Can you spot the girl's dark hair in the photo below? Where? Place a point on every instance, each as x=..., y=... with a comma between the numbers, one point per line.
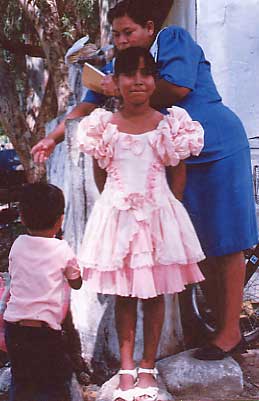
x=127, y=61
x=140, y=11
x=41, y=205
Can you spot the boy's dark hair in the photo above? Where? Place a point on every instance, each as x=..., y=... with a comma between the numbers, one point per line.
x=41, y=205
x=140, y=11
x=127, y=61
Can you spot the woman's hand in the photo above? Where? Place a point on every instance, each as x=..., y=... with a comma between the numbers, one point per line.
x=109, y=87
x=42, y=150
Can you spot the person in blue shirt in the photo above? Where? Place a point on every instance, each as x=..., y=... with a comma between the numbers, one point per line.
x=219, y=194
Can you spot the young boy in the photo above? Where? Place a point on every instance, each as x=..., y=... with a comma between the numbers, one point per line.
x=40, y=267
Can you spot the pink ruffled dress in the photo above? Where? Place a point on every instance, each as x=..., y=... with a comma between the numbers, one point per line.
x=139, y=240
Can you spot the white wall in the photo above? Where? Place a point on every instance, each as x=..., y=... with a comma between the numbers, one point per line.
x=228, y=31
x=183, y=14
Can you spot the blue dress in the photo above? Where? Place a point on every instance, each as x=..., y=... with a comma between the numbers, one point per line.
x=219, y=192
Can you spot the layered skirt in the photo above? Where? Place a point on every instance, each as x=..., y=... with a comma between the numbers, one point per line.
x=133, y=248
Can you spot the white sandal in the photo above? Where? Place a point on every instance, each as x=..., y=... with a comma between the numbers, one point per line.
x=151, y=392
x=127, y=395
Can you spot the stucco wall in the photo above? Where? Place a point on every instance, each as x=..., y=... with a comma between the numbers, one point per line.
x=183, y=13
x=228, y=32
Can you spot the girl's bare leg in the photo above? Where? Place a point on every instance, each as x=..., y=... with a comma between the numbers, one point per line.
x=154, y=309
x=126, y=317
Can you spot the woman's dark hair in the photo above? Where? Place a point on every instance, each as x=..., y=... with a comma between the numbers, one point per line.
x=127, y=61
x=41, y=205
x=140, y=11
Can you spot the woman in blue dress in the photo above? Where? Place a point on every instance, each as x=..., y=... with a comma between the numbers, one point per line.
x=218, y=195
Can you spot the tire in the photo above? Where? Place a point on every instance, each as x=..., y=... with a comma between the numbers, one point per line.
x=249, y=317
x=201, y=311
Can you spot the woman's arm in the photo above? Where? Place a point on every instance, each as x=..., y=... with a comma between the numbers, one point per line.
x=176, y=177
x=178, y=57
x=99, y=176
x=167, y=94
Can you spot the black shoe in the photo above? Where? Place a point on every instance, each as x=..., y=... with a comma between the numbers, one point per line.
x=212, y=352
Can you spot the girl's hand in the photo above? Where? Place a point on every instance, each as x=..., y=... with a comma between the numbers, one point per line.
x=42, y=150
x=109, y=87
x=176, y=177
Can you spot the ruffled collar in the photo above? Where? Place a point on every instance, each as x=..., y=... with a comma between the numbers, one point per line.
x=171, y=121
x=175, y=137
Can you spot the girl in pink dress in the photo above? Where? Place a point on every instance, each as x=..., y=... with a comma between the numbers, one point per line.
x=139, y=241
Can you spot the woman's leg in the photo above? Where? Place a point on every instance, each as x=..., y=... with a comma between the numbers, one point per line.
x=211, y=288
x=232, y=268
x=224, y=292
x=126, y=317
x=154, y=309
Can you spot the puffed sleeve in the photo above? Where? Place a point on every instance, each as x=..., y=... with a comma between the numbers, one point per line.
x=178, y=57
x=178, y=137
x=96, y=136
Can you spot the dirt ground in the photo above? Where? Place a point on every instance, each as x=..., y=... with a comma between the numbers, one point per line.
x=249, y=364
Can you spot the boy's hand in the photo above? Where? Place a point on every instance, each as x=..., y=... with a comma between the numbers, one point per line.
x=42, y=150
x=72, y=274
x=109, y=87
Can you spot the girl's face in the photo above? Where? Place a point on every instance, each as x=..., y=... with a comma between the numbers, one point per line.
x=137, y=86
x=127, y=33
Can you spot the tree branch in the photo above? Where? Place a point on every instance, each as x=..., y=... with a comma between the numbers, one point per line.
x=20, y=48
x=48, y=111
x=13, y=120
x=50, y=36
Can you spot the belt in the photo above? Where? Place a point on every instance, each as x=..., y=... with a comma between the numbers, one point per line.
x=31, y=323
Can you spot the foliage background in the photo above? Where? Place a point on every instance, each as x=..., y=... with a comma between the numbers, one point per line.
x=34, y=37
